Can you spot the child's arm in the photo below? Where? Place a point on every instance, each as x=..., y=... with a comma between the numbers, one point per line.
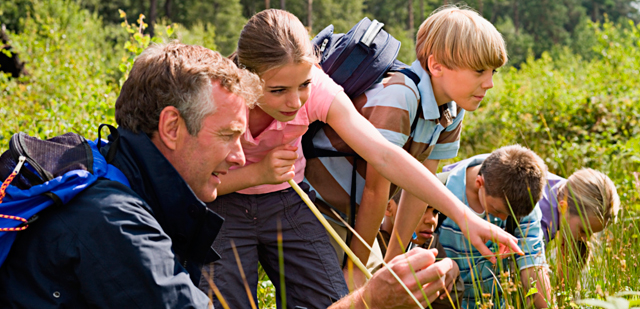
x=406, y=220
x=276, y=167
x=371, y=212
x=541, y=278
x=402, y=169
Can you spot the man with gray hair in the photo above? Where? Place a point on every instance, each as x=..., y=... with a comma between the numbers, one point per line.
x=181, y=113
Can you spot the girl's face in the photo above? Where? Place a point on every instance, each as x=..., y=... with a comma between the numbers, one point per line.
x=286, y=89
x=582, y=228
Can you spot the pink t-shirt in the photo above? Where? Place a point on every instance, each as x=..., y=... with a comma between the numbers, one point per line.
x=323, y=91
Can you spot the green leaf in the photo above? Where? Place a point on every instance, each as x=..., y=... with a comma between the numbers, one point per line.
x=531, y=291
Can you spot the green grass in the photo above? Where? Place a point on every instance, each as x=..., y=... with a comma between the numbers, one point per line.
x=591, y=108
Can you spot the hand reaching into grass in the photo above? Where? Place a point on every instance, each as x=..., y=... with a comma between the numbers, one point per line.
x=480, y=231
x=384, y=291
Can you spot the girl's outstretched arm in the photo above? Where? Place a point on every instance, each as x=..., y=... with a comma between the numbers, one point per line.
x=405, y=171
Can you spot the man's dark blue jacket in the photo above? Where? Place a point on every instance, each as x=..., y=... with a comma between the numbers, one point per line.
x=114, y=246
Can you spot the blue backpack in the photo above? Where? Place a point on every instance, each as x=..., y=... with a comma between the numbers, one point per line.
x=356, y=60
x=41, y=173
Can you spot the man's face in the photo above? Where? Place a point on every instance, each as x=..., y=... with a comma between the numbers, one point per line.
x=201, y=158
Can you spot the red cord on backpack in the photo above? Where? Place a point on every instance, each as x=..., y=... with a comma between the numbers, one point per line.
x=3, y=188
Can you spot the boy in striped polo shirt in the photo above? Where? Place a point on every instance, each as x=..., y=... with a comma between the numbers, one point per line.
x=457, y=54
x=490, y=183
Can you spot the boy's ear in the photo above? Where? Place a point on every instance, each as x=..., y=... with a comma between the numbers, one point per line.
x=389, y=211
x=479, y=181
x=434, y=67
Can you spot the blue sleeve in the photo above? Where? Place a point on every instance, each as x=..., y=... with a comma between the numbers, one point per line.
x=530, y=240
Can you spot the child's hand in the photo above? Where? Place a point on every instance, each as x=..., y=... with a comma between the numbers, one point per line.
x=277, y=165
x=479, y=232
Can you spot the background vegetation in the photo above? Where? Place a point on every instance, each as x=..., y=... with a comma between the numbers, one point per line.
x=570, y=92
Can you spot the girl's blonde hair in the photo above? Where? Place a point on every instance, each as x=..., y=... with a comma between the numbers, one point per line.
x=271, y=39
x=460, y=38
x=590, y=193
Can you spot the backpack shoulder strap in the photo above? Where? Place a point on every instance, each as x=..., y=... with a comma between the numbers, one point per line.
x=416, y=80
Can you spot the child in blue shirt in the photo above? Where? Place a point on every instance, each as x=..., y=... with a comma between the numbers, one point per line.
x=488, y=184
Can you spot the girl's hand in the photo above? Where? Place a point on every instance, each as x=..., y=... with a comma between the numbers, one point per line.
x=479, y=232
x=277, y=165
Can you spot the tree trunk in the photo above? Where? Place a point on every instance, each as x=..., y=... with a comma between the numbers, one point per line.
x=167, y=9
x=595, y=13
x=410, y=9
x=421, y=11
x=516, y=21
x=310, y=15
x=480, y=7
x=267, y=4
x=282, y=4
x=152, y=16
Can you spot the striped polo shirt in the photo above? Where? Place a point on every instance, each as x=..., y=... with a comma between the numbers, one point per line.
x=478, y=272
x=390, y=105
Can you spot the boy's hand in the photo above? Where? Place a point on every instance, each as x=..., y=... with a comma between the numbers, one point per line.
x=277, y=165
x=384, y=291
x=479, y=232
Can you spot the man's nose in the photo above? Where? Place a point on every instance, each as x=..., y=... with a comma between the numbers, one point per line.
x=236, y=156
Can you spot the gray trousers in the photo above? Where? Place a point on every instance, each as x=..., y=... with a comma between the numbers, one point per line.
x=312, y=275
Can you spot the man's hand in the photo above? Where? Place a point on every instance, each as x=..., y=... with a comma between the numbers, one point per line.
x=384, y=291
x=479, y=231
x=278, y=164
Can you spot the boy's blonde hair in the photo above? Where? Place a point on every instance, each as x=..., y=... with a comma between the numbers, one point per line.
x=460, y=38
x=593, y=192
x=272, y=39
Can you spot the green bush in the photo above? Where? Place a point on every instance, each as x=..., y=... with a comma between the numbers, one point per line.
x=72, y=81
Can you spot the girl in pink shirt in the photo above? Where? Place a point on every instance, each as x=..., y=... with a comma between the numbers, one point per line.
x=259, y=207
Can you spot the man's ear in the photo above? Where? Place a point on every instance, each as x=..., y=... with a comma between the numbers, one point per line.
x=170, y=127
x=435, y=68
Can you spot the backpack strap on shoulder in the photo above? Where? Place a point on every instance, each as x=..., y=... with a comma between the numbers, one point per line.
x=114, y=141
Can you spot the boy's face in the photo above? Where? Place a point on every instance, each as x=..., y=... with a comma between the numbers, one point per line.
x=427, y=226
x=467, y=87
x=494, y=206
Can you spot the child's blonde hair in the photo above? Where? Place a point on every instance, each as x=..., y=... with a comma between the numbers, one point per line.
x=271, y=39
x=460, y=38
x=594, y=192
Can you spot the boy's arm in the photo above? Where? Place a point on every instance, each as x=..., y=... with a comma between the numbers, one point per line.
x=395, y=164
x=276, y=167
x=371, y=212
x=538, y=275
x=410, y=210
x=532, y=264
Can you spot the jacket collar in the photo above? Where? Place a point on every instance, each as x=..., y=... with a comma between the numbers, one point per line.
x=191, y=226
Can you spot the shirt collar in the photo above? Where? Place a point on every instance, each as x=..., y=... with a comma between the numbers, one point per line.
x=457, y=179
x=301, y=119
